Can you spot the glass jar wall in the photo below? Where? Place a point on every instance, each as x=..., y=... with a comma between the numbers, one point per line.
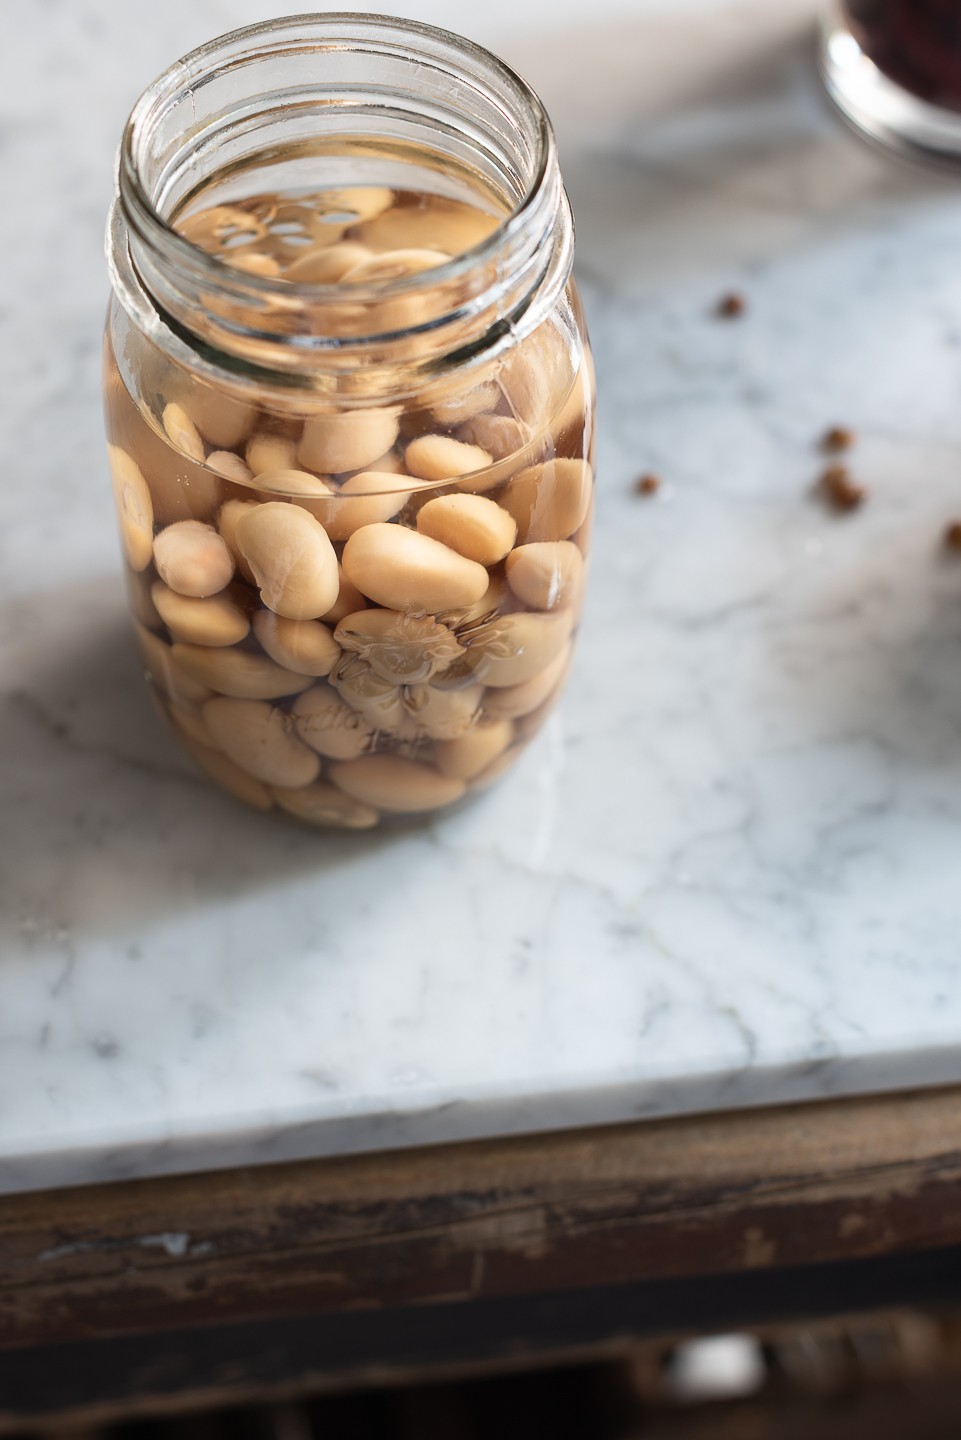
x=350, y=414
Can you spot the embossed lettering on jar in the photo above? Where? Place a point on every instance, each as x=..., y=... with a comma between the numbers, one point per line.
x=350, y=411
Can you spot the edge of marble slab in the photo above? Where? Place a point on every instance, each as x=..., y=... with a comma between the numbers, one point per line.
x=434, y=1120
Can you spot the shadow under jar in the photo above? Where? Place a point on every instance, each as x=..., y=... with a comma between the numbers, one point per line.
x=349, y=409
x=893, y=67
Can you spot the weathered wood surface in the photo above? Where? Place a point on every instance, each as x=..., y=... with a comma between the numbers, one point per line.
x=723, y=1194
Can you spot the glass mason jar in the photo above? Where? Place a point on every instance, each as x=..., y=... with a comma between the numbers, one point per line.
x=350, y=413
x=894, y=69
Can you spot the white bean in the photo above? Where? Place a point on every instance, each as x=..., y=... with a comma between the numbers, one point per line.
x=513, y=701
x=547, y=574
x=238, y=673
x=500, y=435
x=304, y=646
x=141, y=604
x=549, y=501
x=363, y=499
x=521, y=645
x=390, y=782
x=215, y=621
x=183, y=433
x=134, y=508
x=293, y=561
x=270, y=452
x=393, y=265
x=326, y=264
x=294, y=483
x=437, y=457
x=330, y=727
x=192, y=724
x=349, y=600
x=459, y=405
x=450, y=226
x=254, y=262
x=258, y=738
x=193, y=559
x=403, y=570
x=536, y=376
x=475, y=527
x=226, y=463
x=359, y=202
x=323, y=804
x=221, y=419
x=346, y=440
x=181, y=489
x=402, y=648
x=379, y=701
x=439, y=714
x=166, y=674
x=496, y=768
x=227, y=518
x=466, y=757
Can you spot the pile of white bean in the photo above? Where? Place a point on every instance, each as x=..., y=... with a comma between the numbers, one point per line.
x=364, y=612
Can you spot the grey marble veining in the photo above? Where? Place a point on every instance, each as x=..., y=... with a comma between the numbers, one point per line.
x=726, y=874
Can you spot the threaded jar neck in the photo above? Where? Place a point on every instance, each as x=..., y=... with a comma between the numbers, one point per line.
x=355, y=90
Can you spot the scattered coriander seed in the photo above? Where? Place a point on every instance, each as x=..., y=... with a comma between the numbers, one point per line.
x=839, y=437
x=952, y=535
x=731, y=305
x=843, y=492
x=647, y=484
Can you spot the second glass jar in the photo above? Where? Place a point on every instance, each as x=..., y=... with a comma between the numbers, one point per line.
x=350, y=413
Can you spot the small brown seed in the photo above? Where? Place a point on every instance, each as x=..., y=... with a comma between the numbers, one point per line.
x=843, y=492
x=731, y=306
x=952, y=535
x=647, y=484
x=837, y=438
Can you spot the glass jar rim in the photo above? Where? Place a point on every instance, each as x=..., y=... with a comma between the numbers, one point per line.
x=142, y=212
x=489, y=295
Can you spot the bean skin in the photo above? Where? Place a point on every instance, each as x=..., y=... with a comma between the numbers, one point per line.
x=401, y=569
x=292, y=559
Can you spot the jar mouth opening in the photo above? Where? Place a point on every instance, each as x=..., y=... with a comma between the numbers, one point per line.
x=332, y=32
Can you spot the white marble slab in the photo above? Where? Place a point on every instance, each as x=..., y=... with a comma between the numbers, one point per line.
x=729, y=872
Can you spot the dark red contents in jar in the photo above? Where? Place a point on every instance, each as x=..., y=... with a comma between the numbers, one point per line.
x=917, y=43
